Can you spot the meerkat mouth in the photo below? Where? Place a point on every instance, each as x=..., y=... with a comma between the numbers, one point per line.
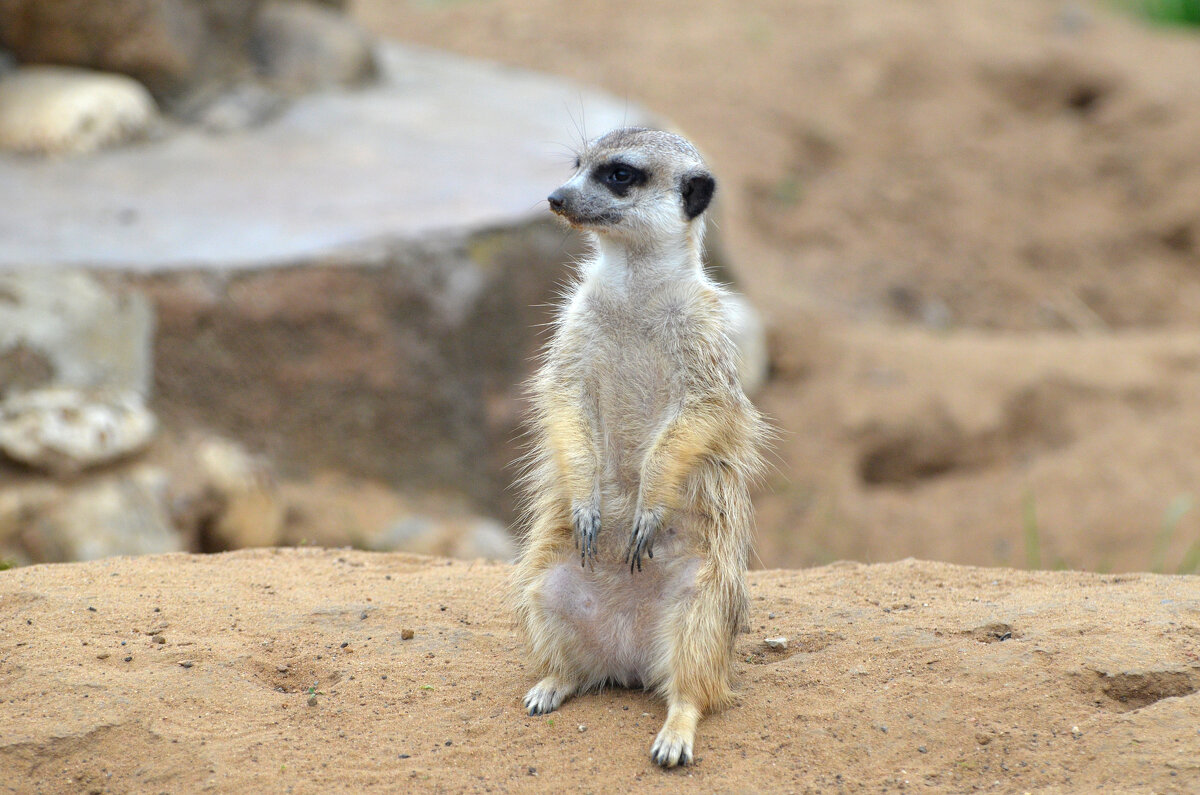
x=585, y=221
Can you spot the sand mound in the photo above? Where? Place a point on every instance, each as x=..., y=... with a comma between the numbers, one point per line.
x=287, y=670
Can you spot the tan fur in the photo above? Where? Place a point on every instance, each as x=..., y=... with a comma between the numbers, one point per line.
x=640, y=429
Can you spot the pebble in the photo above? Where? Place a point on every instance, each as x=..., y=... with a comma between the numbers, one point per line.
x=582, y=727
x=159, y=639
x=776, y=643
x=186, y=663
x=128, y=659
x=770, y=616
x=283, y=669
x=406, y=634
x=312, y=700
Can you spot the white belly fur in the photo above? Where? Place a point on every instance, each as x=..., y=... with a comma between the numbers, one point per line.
x=614, y=621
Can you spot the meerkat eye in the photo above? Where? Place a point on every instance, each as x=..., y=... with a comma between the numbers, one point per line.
x=620, y=178
x=578, y=163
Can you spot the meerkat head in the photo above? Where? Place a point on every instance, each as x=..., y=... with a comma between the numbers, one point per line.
x=636, y=184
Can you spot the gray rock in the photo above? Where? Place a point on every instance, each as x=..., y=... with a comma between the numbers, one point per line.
x=299, y=46
x=457, y=536
x=122, y=514
x=63, y=430
x=171, y=46
x=54, y=110
x=66, y=328
x=248, y=508
x=225, y=110
x=750, y=336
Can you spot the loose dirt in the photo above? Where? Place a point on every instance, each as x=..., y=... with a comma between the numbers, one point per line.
x=289, y=671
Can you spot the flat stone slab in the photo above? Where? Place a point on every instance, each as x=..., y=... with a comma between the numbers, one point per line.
x=439, y=143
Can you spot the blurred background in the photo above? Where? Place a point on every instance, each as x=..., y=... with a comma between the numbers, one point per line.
x=271, y=271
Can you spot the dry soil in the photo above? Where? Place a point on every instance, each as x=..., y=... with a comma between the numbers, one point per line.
x=289, y=671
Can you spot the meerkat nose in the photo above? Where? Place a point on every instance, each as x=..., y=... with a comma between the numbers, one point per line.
x=557, y=200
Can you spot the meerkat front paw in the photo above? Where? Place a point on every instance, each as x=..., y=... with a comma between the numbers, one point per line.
x=585, y=517
x=547, y=696
x=645, y=527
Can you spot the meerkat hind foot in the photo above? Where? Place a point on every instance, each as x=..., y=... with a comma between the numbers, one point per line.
x=673, y=746
x=547, y=695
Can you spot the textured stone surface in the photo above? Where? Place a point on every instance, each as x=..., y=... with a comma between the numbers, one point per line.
x=170, y=45
x=68, y=328
x=48, y=110
x=125, y=513
x=301, y=46
x=63, y=430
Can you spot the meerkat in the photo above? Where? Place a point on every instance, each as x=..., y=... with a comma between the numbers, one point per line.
x=643, y=450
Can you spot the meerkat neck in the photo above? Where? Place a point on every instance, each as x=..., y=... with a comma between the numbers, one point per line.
x=647, y=261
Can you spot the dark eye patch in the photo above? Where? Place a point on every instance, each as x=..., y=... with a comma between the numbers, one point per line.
x=620, y=178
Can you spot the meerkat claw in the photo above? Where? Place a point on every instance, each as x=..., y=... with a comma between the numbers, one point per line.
x=547, y=696
x=671, y=750
x=585, y=517
x=641, y=540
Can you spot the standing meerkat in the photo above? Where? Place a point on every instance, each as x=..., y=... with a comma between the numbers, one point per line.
x=638, y=510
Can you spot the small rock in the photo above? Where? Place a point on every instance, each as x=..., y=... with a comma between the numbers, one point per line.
x=750, y=337
x=283, y=669
x=301, y=46
x=186, y=663
x=312, y=700
x=406, y=634
x=56, y=110
x=159, y=639
x=122, y=514
x=64, y=430
x=770, y=616
x=252, y=511
x=582, y=727
x=242, y=107
x=778, y=643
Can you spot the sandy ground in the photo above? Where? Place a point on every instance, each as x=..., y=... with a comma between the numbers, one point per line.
x=187, y=673
x=974, y=229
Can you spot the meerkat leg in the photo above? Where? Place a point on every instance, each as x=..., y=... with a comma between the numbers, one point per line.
x=570, y=431
x=535, y=574
x=672, y=456
x=698, y=671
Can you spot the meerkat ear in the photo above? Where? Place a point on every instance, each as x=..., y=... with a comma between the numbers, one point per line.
x=697, y=190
